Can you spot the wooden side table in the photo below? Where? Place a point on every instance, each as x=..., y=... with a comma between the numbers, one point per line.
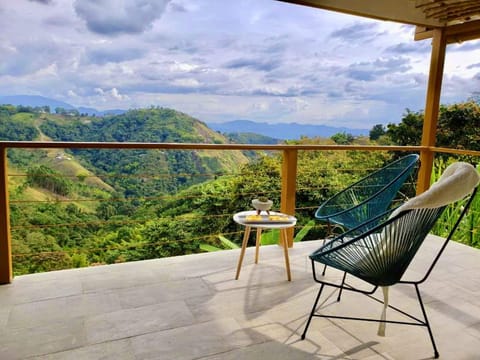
x=274, y=220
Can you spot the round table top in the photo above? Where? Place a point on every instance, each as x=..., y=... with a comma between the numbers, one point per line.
x=274, y=220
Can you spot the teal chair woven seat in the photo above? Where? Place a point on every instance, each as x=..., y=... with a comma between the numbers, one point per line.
x=367, y=198
x=380, y=254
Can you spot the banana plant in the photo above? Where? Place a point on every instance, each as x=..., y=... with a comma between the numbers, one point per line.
x=269, y=237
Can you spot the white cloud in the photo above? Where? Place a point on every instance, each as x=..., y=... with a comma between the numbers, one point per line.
x=113, y=17
x=114, y=92
x=261, y=60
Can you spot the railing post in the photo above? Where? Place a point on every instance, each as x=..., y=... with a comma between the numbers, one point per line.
x=432, y=107
x=289, y=187
x=6, y=273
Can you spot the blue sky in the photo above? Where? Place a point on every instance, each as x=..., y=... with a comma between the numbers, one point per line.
x=218, y=60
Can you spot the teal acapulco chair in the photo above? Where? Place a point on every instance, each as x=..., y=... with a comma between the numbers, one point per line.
x=367, y=198
x=380, y=255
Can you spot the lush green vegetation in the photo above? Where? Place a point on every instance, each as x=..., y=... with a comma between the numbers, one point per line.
x=458, y=127
x=179, y=169
x=79, y=208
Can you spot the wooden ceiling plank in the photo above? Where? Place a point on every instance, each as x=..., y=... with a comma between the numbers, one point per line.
x=402, y=11
x=430, y=14
x=420, y=4
x=472, y=8
x=472, y=26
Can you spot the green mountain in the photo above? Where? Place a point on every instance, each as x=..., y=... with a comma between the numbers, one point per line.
x=158, y=171
x=60, y=197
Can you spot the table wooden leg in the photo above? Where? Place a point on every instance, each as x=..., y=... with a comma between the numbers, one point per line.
x=257, y=243
x=285, y=252
x=246, y=235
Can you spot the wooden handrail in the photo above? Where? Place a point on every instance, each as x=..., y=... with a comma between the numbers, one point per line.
x=195, y=146
x=455, y=151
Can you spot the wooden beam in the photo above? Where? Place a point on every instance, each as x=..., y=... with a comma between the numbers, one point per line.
x=289, y=187
x=463, y=32
x=422, y=33
x=6, y=273
x=454, y=33
x=402, y=11
x=432, y=107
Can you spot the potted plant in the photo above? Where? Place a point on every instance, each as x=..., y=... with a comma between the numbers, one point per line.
x=262, y=204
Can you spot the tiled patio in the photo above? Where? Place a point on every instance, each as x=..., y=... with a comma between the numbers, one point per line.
x=191, y=307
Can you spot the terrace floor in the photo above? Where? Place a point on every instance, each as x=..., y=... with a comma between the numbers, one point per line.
x=190, y=307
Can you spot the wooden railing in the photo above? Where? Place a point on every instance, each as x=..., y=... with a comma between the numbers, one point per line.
x=288, y=173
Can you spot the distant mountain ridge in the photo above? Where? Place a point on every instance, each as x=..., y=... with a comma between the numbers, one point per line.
x=286, y=131
x=36, y=100
x=282, y=131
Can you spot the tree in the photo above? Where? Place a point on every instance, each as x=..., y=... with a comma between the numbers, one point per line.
x=457, y=127
x=377, y=131
x=342, y=138
x=47, y=178
x=409, y=131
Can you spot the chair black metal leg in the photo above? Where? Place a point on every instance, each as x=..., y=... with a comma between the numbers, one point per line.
x=312, y=312
x=324, y=242
x=324, y=268
x=341, y=287
x=436, y=354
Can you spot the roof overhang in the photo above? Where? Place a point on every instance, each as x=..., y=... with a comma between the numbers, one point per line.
x=460, y=18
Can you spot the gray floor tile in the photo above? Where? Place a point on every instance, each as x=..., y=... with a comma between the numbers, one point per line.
x=112, y=350
x=190, y=307
x=61, y=309
x=192, y=342
x=137, y=321
x=24, y=342
x=163, y=292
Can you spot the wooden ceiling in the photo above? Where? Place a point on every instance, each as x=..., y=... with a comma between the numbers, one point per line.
x=450, y=11
x=459, y=18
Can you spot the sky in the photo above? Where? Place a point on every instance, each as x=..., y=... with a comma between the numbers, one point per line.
x=219, y=60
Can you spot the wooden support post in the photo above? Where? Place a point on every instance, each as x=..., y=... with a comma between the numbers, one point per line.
x=432, y=107
x=289, y=187
x=6, y=273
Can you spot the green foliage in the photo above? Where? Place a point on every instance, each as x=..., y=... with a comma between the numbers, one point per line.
x=457, y=127
x=169, y=237
x=49, y=179
x=228, y=244
x=38, y=252
x=79, y=260
x=67, y=112
x=16, y=126
x=409, y=131
x=209, y=248
x=376, y=132
x=272, y=237
x=343, y=138
x=467, y=232
x=250, y=138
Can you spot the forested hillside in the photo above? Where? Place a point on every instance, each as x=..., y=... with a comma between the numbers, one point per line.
x=64, y=186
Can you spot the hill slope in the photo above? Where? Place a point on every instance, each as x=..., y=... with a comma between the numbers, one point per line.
x=144, y=172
